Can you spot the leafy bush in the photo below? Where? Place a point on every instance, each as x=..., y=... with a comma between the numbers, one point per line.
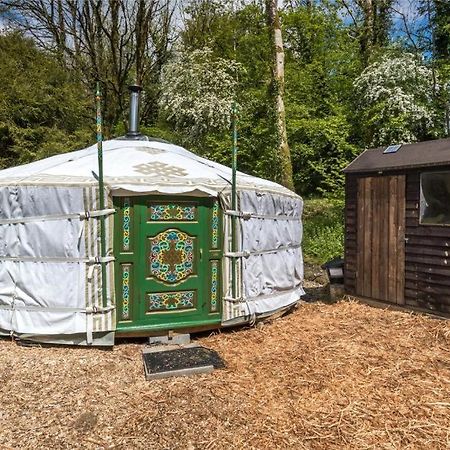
x=197, y=92
x=396, y=100
x=323, y=230
x=43, y=108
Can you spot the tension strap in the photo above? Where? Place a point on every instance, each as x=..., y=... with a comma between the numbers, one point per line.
x=246, y=253
x=249, y=215
x=234, y=300
x=57, y=259
x=84, y=215
x=88, y=310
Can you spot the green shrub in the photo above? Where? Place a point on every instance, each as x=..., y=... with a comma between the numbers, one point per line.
x=323, y=230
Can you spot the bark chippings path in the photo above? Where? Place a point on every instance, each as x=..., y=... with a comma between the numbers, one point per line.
x=326, y=376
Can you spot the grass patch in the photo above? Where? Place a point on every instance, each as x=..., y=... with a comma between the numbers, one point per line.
x=323, y=229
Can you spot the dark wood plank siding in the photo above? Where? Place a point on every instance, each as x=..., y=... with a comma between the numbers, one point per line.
x=427, y=255
x=426, y=250
x=351, y=189
x=380, y=209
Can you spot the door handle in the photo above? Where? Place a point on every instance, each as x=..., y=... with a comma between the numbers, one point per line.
x=201, y=253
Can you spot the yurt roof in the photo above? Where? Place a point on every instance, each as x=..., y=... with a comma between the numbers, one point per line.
x=137, y=166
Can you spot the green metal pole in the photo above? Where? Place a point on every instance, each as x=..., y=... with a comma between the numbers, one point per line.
x=234, y=202
x=101, y=188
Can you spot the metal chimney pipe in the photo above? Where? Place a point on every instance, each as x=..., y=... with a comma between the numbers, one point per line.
x=133, y=125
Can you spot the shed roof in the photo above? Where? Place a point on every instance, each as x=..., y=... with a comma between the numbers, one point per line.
x=420, y=154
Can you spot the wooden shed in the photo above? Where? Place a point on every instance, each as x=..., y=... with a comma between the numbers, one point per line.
x=397, y=225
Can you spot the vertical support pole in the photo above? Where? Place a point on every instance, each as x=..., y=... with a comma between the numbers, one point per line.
x=101, y=188
x=447, y=110
x=234, y=221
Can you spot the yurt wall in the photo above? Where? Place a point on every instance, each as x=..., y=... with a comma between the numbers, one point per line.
x=50, y=277
x=269, y=272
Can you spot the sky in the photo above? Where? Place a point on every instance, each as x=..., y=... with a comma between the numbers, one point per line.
x=416, y=24
x=407, y=11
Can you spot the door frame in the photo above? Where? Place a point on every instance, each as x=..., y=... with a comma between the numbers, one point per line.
x=130, y=242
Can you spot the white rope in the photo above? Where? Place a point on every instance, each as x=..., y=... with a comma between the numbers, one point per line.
x=58, y=259
x=246, y=253
x=85, y=215
x=249, y=215
x=87, y=310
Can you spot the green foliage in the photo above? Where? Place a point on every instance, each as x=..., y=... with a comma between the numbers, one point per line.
x=43, y=111
x=247, y=29
x=197, y=93
x=396, y=100
x=323, y=230
x=330, y=117
x=321, y=62
x=320, y=152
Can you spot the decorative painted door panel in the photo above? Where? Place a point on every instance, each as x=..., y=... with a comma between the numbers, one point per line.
x=167, y=262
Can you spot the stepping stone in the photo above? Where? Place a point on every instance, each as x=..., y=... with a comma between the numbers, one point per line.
x=164, y=361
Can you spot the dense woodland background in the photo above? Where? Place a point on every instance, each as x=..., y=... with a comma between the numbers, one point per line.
x=358, y=73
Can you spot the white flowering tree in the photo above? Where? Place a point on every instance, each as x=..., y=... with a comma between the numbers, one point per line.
x=396, y=100
x=197, y=92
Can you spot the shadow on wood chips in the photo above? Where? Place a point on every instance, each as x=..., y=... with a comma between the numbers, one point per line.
x=327, y=376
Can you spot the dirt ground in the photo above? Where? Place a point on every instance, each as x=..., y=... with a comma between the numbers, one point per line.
x=328, y=376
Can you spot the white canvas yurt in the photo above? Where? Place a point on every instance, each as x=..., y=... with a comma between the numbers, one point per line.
x=169, y=256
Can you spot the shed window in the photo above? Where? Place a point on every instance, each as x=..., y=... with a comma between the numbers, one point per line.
x=435, y=198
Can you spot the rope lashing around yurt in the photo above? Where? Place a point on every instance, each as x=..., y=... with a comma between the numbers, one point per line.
x=101, y=188
x=247, y=253
x=249, y=215
x=86, y=259
x=84, y=215
x=87, y=310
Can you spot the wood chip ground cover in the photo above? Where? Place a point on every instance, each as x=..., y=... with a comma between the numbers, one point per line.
x=326, y=376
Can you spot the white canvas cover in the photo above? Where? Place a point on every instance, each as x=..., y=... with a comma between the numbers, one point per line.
x=270, y=266
x=50, y=278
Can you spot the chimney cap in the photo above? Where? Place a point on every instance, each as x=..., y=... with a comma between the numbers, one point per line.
x=135, y=88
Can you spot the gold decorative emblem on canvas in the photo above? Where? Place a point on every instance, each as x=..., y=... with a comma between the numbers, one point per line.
x=151, y=151
x=160, y=169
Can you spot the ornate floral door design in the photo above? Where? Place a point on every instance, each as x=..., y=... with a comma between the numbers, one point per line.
x=168, y=262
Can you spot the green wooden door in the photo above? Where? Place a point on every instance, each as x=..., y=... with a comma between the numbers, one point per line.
x=167, y=263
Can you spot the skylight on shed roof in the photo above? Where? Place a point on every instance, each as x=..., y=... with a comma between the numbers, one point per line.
x=392, y=148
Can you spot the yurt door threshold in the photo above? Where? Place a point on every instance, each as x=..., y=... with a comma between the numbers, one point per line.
x=168, y=257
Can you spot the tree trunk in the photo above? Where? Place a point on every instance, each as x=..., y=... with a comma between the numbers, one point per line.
x=114, y=41
x=366, y=35
x=278, y=92
x=376, y=21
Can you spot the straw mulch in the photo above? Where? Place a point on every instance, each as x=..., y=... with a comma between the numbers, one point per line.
x=326, y=376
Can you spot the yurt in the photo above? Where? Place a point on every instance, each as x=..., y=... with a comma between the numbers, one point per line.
x=170, y=263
